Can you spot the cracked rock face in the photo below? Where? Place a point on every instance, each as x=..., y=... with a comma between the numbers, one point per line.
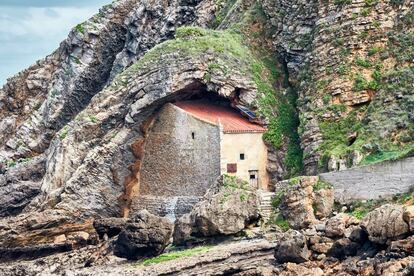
x=40, y=101
x=385, y=223
x=227, y=211
x=86, y=139
x=323, y=44
x=143, y=235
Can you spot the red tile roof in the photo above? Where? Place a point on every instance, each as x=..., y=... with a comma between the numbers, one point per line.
x=231, y=120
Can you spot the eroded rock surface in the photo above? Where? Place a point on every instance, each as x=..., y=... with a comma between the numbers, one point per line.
x=303, y=200
x=292, y=248
x=385, y=223
x=143, y=235
x=226, y=211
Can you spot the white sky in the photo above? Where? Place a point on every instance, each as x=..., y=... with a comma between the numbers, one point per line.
x=32, y=29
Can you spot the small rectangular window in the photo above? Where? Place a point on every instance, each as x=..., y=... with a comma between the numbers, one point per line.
x=252, y=176
x=242, y=157
x=193, y=135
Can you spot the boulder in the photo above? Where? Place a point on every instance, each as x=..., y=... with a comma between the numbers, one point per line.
x=323, y=202
x=144, y=235
x=292, y=248
x=226, y=212
x=405, y=245
x=294, y=269
x=320, y=244
x=385, y=223
x=297, y=201
x=183, y=229
x=335, y=226
x=356, y=233
x=109, y=226
x=408, y=216
x=343, y=248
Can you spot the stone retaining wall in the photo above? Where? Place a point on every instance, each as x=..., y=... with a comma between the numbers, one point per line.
x=372, y=182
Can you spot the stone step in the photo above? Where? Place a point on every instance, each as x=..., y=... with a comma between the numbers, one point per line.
x=265, y=200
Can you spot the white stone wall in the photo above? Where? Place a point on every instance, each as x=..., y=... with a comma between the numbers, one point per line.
x=255, y=152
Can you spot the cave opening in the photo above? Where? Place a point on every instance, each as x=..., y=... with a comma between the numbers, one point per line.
x=189, y=138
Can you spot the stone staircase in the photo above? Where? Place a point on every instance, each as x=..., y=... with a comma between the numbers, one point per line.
x=170, y=207
x=265, y=200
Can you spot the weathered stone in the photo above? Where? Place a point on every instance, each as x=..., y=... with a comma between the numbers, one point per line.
x=296, y=202
x=408, y=216
x=335, y=226
x=323, y=202
x=320, y=245
x=405, y=245
x=110, y=227
x=226, y=212
x=292, y=248
x=144, y=235
x=385, y=223
x=343, y=248
x=295, y=269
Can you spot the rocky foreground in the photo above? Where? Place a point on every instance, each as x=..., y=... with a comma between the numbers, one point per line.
x=222, y=237
x=332, y=79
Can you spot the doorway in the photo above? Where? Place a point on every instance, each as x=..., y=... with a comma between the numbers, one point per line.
x=254, y=178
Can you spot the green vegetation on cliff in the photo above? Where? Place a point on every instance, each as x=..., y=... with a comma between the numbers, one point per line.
x=236, y=50
x=380, y=128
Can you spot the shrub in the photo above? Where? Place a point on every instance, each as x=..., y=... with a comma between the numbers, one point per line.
x=282, y=223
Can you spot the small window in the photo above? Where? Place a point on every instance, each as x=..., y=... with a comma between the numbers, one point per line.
x=242, y=157
x=252, y=176
x=193, y=135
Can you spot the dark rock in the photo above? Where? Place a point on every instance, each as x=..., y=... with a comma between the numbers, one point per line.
x=343, y=248
x=144, y=235
x=32, y=252
x=292, y=248
x=356, y=233
x=110, y=226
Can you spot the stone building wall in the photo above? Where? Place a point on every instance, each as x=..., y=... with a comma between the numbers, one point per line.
x=175, y=163
x=255, y=156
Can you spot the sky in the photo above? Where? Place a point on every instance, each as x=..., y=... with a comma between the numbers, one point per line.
x=32, y=29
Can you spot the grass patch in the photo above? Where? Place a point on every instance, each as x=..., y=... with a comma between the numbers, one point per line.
x=363, y=62
x=176, y=255
x=391, y=155
x=93, y=119
x=320, y=185
x=11, y=163
x=277, y=199
x=64, y=133
x=282, y=223
x=224, y=7
x=80, y=28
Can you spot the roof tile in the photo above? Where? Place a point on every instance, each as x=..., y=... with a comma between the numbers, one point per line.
x=231, y=120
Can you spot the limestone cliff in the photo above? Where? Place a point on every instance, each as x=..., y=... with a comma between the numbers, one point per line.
x=351, y=62
x=333, y=80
